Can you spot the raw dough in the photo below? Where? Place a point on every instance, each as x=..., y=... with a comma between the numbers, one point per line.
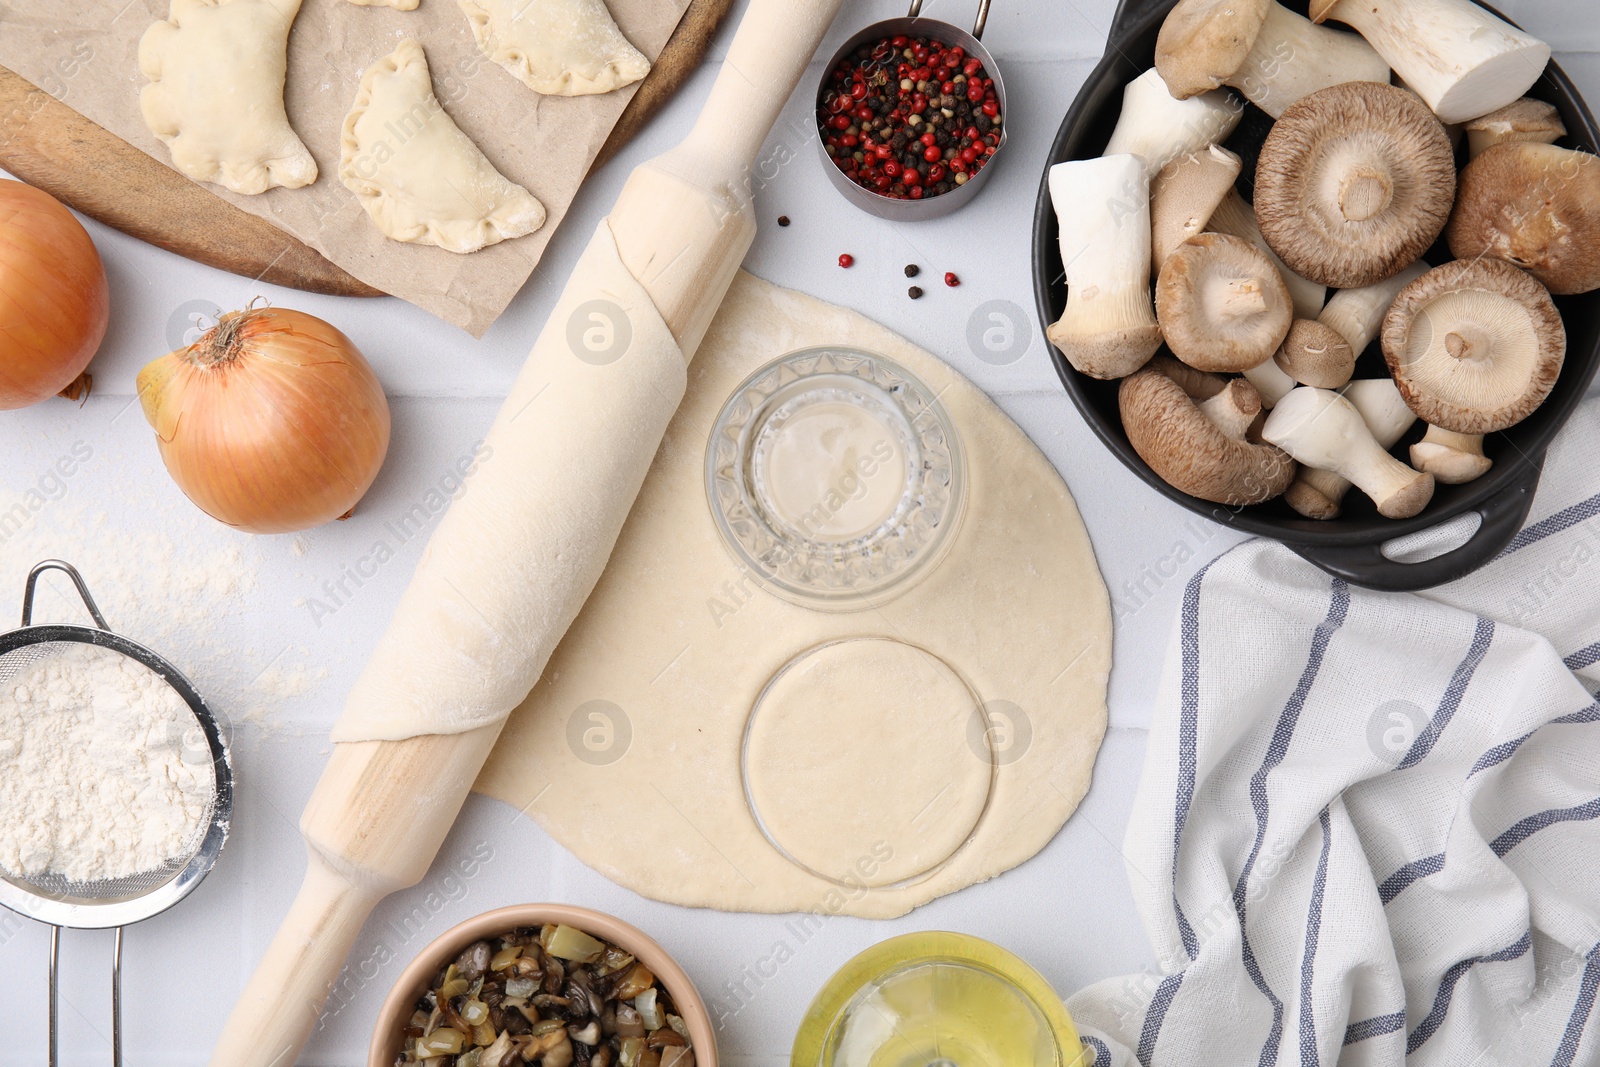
x=556, y=47
x=398, y=5
x=628, y=750
x=215, y=98
x=466, y=643
x=860, y=749
x=419, y=177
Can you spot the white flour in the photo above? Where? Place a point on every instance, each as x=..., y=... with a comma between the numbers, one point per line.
x=104, y=771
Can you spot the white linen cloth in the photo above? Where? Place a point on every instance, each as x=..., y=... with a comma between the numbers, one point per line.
x=1368, y=829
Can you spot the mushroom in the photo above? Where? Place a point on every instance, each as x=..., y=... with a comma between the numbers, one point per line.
x=1192, y=428
x=1159, y=128
x=1322, y=429
x=1474, y=345
x=1458, y=57
x=1108, y=328
x=1323, y=353
x=1526, y=119
x=1184, y=196
x=1452, y=458
x=1221, y=304
x=1536, y=206
x=1270, y=54
x=1354, y=183
x=1271, y=381
x=1316, y=354
x=1236, y=218
x=1318, y=494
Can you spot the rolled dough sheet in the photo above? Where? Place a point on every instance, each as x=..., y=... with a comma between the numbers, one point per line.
x=629, y=750
x=467, y=641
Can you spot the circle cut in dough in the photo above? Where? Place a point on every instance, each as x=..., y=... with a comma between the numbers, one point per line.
x=859, y=763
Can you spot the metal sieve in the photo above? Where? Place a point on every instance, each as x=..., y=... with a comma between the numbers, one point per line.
x=112, y=904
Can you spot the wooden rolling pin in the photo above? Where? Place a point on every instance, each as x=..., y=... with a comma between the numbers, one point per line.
x=382, y=809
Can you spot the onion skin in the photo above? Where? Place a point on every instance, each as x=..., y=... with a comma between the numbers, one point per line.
x=54, y=302
x=272, y=422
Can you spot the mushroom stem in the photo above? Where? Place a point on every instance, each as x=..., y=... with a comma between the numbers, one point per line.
x=1234, y=409
x=1108, y=329
x=1293, y=56
x=1364, y=192
x=1241, y=298
x=1322, y=429
x=1236, y=218
x=1158, y=128
x=1458, y=57
x=1317, y=494
x=1452, y=458
x=1271, y=381
x=1357, y=314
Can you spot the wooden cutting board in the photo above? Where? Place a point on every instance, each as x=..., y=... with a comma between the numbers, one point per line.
x=48, y=145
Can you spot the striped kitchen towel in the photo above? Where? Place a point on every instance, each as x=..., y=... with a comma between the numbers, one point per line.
x=1368, y=829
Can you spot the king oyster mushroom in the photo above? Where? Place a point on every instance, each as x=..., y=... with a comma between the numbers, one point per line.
x=1270, y=54
x=1322, y=429
x=1452, y=458
x=1319, y=494
x=1192, y=428
x=1474, y=346
x=1354, y=183
x=1221, y=304
x=1526, y=119
x=1184, y=196
x=1236, y=218
x=1323, y=352
x=1158, y=127
x=1108, y=328
x=1536, y=206
x=1457, y=56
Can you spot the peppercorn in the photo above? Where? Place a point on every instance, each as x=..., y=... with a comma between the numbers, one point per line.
x=846, y=259
x=915, y=292
x=950, y=279
x=912, y=270
x=783, y=220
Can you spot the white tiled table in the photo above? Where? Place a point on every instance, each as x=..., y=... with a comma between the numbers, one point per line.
x=280, y=675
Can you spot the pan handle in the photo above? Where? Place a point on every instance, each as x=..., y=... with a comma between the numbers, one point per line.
x=977, y=23
x=1503, y=515
x=1131, y=13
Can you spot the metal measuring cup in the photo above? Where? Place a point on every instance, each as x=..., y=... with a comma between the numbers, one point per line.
x=930, y=207
x=120, y=902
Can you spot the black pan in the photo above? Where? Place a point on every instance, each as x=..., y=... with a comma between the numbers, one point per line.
x=1351, y=545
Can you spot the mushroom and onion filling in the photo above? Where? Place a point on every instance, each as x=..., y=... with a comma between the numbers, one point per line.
x=553, y=996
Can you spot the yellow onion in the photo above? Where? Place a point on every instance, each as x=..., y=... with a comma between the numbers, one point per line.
x=271, y=422
x=53, y=299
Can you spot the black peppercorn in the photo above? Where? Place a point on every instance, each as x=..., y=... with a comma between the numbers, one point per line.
x=783, y=220
x=915, y=292
x=912, y=270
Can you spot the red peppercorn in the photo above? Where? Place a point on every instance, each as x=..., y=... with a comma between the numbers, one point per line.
x=935, y=173
x=932, y=153
x=915, y=192
x=928, y=139
x=892, y=169
x=971, y=67
x=950, y=279
x=846, y=259
x=991, y=108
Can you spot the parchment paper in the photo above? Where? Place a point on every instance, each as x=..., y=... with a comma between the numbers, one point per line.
x=86, y=54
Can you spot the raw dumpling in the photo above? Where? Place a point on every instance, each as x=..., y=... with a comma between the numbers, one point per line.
x=215, y=98
x=419, y=177
x=556, y=47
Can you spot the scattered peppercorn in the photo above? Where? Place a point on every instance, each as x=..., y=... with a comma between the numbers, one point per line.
x=950, y=279
x=908, y=117
x=846, y=259
x=912, y=270
x=915, y=292
x=783, y=220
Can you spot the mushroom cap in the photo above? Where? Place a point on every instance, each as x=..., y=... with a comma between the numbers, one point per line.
x=1354, y=183
x=1222, y=304
x=1203, y=42
x=1185, y=195
x=1536, y=206
x=1474, y=346
x=1525, y=119
x=1171, y=433
x=1321, y=9
x=1316, y=354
